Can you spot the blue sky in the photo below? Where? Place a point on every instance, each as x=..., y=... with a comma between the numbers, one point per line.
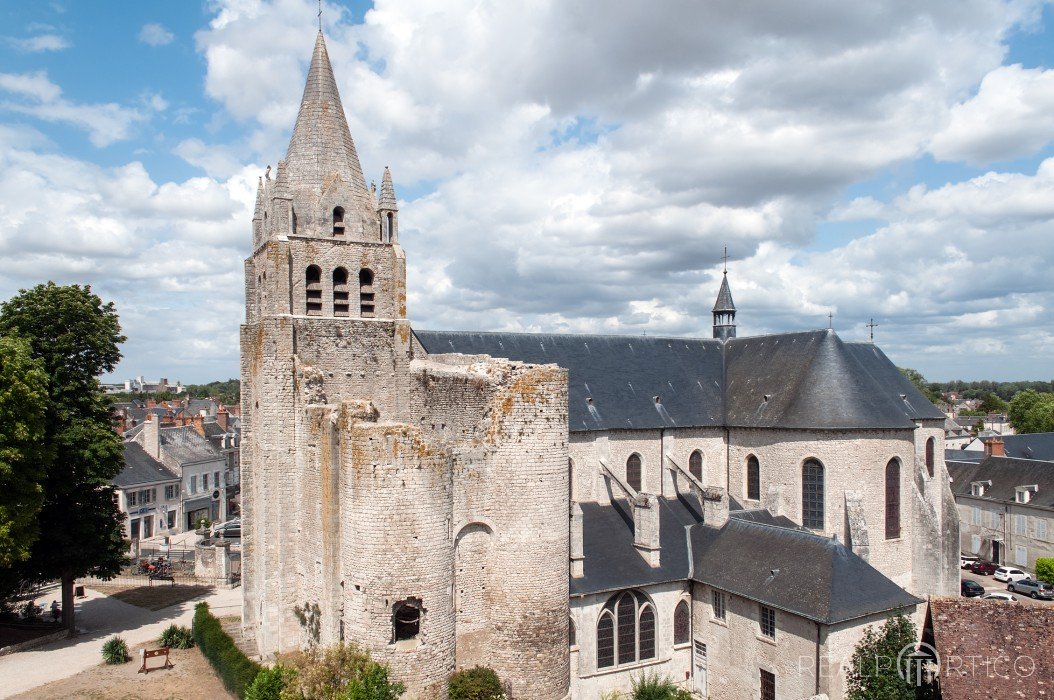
x=567, y=169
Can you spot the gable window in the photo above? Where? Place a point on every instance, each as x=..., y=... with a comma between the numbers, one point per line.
x=767, y=622
x=625, y=630
x=893, y=499
x=929, y=455
x=366, y=305
x=406, y=619
x=338, y=221
x=695, y=465
x=717, y=598
x=313, y=287
x=633, y=472
x=753, y=479
x=812, y=506
x=340, y=292
x=682, y=624
x=768, y=685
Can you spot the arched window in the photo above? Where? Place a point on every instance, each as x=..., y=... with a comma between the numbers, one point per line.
x=633, y=476
x=929, y=456
x=340, y=292
x=391, y=228
x=313, y=285
x=366, y=293
x=338, y=221
x=682, y=623
x=812, y=506
x=695, y=464
x=625, y=630
x=753, y=479
x=893, y=499
x=406, y=619
x=571, y=636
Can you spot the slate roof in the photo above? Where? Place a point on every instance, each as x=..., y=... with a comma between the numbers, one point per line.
x=794, y=380
x=141, y=468
x=724, y=297
x=1030, y=446
x=1019, y=636
x=963, y=455
x=1006, y=474
x=184, y=445
x=816, y=577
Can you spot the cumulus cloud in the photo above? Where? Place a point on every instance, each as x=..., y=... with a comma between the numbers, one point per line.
x=41, y=98
x=39, y=43
x=154, y=34
x=1012, y=115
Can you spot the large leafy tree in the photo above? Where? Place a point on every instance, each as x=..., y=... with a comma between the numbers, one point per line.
x=873, y=674
x=23, y=400
x=75, y=337
x=1031, y=412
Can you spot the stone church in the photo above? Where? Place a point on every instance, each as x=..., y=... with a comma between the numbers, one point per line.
x=570, y=510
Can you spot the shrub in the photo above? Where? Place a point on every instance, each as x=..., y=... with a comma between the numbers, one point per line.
x=114, y=650
x=233, y=667
x=655, y=687
x=1045, y=569
x=341, y=672
x=176, y=637
x=479, y=683
x=270, y=682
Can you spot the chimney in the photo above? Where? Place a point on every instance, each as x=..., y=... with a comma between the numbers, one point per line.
x=993, y=447
x=152, y=436
x=715, y=506
x=578, y=557
x=199, y=424
x=223, y=418
x=646, y=527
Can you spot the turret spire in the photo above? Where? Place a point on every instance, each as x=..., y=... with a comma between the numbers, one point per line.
x=388, y=201
x=724, y=308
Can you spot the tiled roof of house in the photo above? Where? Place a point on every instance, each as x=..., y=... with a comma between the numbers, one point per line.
x=141, y=468
x=990, y=649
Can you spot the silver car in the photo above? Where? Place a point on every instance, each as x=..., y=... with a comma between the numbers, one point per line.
x=1033, y=589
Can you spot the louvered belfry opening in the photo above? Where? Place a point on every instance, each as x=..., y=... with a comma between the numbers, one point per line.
x=341, y=305
x=313, y=287
x=366, y=302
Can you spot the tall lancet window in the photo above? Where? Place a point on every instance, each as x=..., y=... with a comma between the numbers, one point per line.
x=366, y=305
x=633, y=472
x=389, y=227
x=338, y=221
x=313, y=287
x=695, y=464
x=893, y=499
x=812, y=505
x=340, y=292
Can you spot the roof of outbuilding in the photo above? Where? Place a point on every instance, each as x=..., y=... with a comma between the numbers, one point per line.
x=793, y=380
x=141, y=468
x=794, y=570
x=1006, y=474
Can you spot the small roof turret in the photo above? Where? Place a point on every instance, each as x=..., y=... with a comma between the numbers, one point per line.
x=724, y=297
x=388, y=201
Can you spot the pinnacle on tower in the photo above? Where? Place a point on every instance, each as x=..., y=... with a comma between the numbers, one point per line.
x=724, y=311
x=388, y=201
x=321, y=146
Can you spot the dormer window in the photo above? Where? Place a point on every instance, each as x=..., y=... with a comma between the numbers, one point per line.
x=1023, y=494
x=977, y=488
x=338, y=221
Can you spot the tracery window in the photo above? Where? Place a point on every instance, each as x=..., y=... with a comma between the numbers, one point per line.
x=633, y=471
x=812, y=505
x=625, y=630
x=893, y=499
x=753, y=479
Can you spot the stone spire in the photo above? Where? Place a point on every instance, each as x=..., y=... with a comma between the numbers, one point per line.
x=321, y=146
x=388, y=202
x=724, y=312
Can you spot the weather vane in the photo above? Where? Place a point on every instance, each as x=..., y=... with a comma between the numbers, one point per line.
x=830, y=320
x=319, y=15
x=872, y=326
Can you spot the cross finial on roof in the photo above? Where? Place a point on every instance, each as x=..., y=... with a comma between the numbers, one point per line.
x=725, y=258
x=319, y=15
x=872, y=326
x=830, y=319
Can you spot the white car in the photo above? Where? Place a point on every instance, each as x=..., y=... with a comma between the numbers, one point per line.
x=966, y=560
x=1000, y=596
x=1007, y=574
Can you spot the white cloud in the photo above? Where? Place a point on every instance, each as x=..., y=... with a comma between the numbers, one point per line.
x=1011, y=115
x=154, y=34
x=39, y=43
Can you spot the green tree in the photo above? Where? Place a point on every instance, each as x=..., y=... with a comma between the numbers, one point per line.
x=916, y=378
x=1031, y=412
x=23, y=399
x=75, y=336
x=872, y=673
x=990, y=403
x=1045, y=569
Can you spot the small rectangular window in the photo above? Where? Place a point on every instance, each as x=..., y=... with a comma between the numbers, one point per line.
x=216, y=479
x=768, y=685
x=976, y=515
x=194, y=483
x=767, y=619
x=205, y=481
x=1020, y=524
x=718, y=599
x=993, y=520
x=1041, y=529
x=1020, y=556
x=133, y=497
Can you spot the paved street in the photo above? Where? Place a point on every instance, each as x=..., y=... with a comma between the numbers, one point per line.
x=990, y=584
x=98, y=617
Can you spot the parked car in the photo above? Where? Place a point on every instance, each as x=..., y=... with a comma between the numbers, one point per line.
x=231, y=529
x=982, y=567
x=970, y=589
x=1007, y=573
x=1033, y=589
x=966, y=560
x=999, y=595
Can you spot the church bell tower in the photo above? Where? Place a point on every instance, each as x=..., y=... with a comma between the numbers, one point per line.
x=724, y=311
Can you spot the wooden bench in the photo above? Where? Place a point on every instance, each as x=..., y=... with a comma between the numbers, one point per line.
x=162, y=577
x=153, y=654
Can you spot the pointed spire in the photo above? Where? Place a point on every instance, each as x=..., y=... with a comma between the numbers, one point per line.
x=321, y=145
x=724, y=309
x=259, y=197
x=388, y=201
x=724, y=297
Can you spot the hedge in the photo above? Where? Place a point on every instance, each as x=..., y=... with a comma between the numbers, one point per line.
x=235, y=669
